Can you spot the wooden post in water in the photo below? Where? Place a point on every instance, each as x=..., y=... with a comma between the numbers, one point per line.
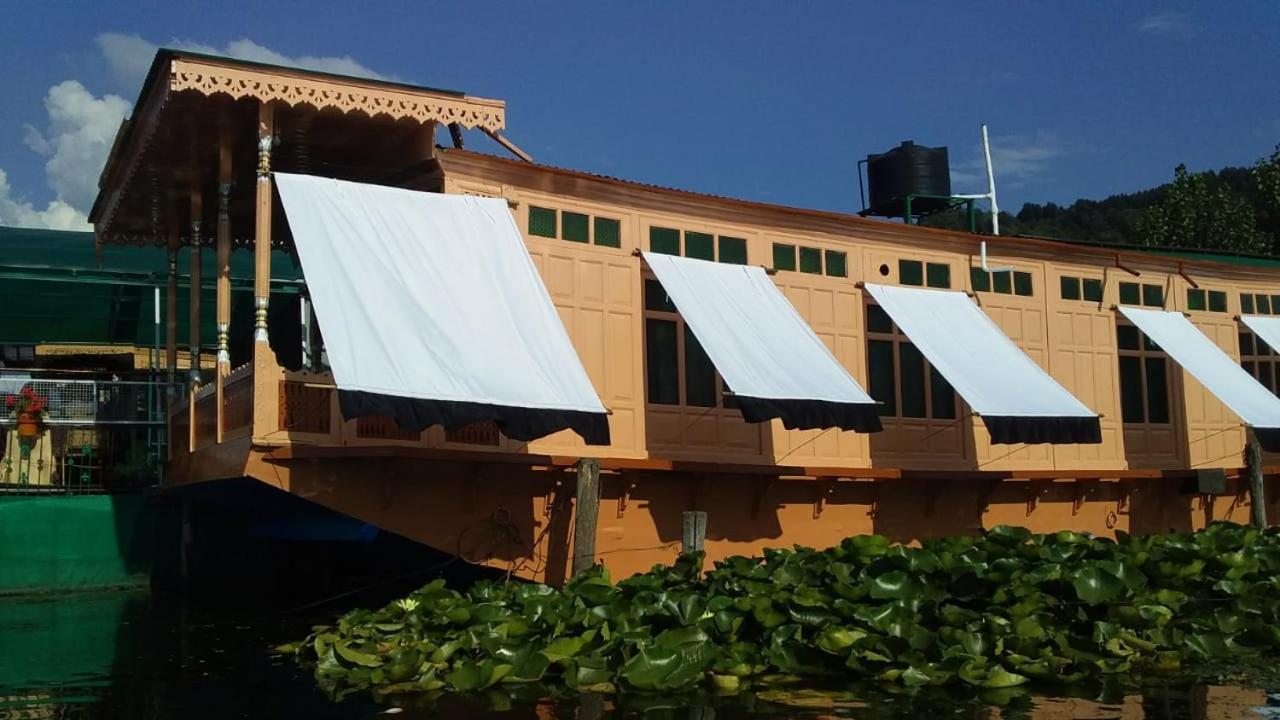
x=586, y=510
x=1257, y=486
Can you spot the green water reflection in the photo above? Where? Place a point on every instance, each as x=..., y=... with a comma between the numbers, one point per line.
x=136, y=655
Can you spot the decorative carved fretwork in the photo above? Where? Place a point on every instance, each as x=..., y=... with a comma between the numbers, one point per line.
x=237, y=404
x=484, y=432
x=267, y=85
x=304, y=408
x=382, y=428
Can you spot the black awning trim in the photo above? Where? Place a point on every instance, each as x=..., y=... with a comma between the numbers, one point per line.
x=1268, y=438
x=1010, y=429
x=808, y=414
x=517, y=423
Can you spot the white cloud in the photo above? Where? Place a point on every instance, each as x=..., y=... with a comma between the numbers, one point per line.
x=81, y=126
x=19, y=213
x=129, y=57
x=1016, y=158
x=1167, y=24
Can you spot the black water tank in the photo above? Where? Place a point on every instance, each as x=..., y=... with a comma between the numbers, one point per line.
x=908, y=169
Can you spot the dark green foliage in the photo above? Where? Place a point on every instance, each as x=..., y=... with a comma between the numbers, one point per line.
x=992, y=612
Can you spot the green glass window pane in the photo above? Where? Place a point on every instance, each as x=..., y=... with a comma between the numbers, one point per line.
x=1127, y=337
x=1275, y=304
x=661, y=362
x=733, y=250
x=1092, y=290
x=1246, y=303
x=1196, y=299
x=656, y=297
x=1130, y=294
x=1070, y=288
x=980, y=279
x=608, y=232
x=1264, y=304
x=1217, y=301
x=542, y=222
x=911, y=367
x=664, y=240
x=1157, y=391
x=574, y=227
x=1250, y=367
x=699, y=373
x=910, y=272
x=1002, y=282
x=942, y=396
x=699, y=245
x=880, y=372
x=784, y=257
x=1152, y=296
x=1022, y=283
x=938, y=275
x=1265, y=376
x=1131, y=390
x=811, y=260
x=878, y=320
x=1149, y=344
x=837, y=264
x=1246, y=343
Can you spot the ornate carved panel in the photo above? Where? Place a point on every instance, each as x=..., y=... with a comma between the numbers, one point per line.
x=479, y=433
x=303, y=408
x=237, y=404
x=380, y=427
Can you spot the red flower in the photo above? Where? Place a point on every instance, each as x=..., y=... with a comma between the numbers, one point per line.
x=11, y=400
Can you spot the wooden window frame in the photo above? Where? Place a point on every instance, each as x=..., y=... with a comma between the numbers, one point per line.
x=682, y=369
x=1259, y=359
x=1143, y=353
x=898, y=339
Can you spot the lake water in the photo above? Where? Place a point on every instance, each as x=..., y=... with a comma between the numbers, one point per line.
x=137, y=655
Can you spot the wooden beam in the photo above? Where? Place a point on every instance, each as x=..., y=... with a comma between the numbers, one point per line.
x=510, y=146
x=171, y=312
x=1257, y=485
x=455, y=134
x=262, y=226
x=586, y=509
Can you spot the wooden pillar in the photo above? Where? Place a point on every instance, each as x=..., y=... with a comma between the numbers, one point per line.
x=1257, y=485
x=224, y=258
x=693, y=531
x=262, y=225
x=171, y=313
x=586, y=510
x=193, y=319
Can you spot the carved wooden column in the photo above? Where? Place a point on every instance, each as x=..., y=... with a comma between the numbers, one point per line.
x=171, y=313
x=193, y=320
x=224, y=259
x=262, y=231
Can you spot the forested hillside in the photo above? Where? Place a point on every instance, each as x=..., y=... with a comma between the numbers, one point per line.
x=1234, y=209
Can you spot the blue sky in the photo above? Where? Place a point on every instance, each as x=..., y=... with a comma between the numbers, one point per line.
x=766, y=101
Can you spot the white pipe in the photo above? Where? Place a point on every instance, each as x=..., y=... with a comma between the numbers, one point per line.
x=991, y=183
x=982, y=250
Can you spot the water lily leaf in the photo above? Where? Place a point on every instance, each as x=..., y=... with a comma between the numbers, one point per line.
x=1000, y=678
x=836, y=639
x=1095, y=585
x=563, y=648
x=356, y=657
x=896, y=585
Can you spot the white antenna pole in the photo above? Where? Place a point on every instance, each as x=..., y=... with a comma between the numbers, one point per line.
x=991, y=183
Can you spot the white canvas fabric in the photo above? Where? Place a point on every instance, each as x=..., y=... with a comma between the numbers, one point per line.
x=432, y=297
x=761, y=345
x=1207, y=363
x=993, y=375
x=1267, y=328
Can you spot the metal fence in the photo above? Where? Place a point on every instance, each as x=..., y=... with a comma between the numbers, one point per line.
x=98, y=436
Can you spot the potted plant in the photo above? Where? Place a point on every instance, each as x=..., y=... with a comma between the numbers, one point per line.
x=28, y=409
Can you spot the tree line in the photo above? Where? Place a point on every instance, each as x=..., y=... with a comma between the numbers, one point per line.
x=1235, y=209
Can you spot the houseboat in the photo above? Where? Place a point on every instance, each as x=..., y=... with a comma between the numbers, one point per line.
x=538, y=369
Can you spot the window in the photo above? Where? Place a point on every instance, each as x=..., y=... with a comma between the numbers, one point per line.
x=733, y=250
x=1211, y=300
x=664, y=240
x=542, y=222
x=1217, y=301
x=1259, y=304
x=608, y=232
x=1143, y=295
x=1022, y=283
x=900, y=378
x=980, y=279
x=911, y=272
x=837, y=264
x=1070, y=288
x=677, y=369
x=784, y=257
x=574, y=227
x=1144, y=378
x=811, y=260
x=1092, y=290
x=1004, y=282
x=937, y=275
x=700, y=246
x=1260, y=360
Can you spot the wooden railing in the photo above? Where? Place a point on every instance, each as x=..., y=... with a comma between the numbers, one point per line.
x=237, y=403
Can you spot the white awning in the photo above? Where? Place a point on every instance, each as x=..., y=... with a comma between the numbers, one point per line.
x=433, y=313
x=1017, y=400
x=767, y=354
x=1267, y=328
x=1216, y=370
